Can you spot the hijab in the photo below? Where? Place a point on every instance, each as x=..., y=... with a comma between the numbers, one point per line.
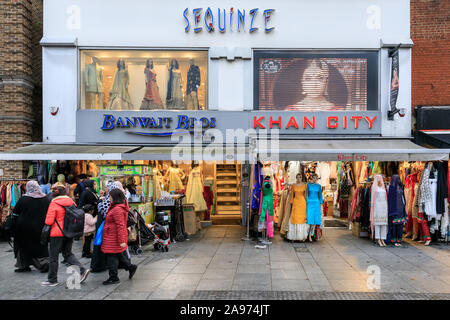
x=34, y=190
x=61, y=178
x=103, y=206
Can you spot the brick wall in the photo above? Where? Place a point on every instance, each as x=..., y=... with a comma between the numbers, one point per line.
x=20, y=79
x=430, y=32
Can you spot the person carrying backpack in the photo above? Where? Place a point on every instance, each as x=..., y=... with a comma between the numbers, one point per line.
x=55, y=218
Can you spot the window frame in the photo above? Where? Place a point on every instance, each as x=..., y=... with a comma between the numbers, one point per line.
x=110, y=48
x=373, y=70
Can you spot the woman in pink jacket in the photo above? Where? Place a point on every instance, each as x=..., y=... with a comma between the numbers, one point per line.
x=115, y=237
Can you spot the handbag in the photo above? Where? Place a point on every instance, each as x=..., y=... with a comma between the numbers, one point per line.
x=132, y=234
x=45, y=234
x=9, y=225
x=99, y=236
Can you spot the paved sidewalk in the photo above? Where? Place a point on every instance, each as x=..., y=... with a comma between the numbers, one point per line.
x=215, y=263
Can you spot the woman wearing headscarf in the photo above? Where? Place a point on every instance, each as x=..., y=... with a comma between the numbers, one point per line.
x=89, y=195
x=379, y=210
x=30, y=212
x=62, y=179
x=396, y=210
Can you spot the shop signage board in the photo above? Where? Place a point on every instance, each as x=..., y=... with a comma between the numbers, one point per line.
x=119, y=171
x=168, y=126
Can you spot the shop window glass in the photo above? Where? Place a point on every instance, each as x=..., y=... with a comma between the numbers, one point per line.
x=144, y=80
x=296, y=81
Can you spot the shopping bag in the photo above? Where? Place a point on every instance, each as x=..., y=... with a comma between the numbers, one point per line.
x=99, y=236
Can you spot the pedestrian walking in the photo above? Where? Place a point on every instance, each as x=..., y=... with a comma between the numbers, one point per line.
x=89, y=195
x=115, y=236
x=58, y=242
x=30, y=212
x=89, y=230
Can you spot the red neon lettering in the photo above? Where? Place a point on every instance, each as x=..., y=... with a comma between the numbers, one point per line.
x=356, y=118
x=345, y=122
x=332, y=126
x=291, y=123
x=273, y=122
x=307, y=121
x=256, y=122
x=370, y=121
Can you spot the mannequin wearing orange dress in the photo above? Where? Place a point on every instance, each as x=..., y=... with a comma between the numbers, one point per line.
x=298, y=228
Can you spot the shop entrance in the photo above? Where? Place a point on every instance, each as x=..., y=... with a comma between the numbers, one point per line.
x=228, y=193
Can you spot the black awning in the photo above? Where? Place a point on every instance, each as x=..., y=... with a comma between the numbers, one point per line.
x=433, y=138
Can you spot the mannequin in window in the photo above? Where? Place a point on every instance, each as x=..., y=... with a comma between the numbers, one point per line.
x=193, y=82
x=174, y=98
x=194, y=189
x=298, y=228
x=314, y=201
x=267, y=209
x=119, y=98
x=151, y=100
x=93, y=78
x=315, y=88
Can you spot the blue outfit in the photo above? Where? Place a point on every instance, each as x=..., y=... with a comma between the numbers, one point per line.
x=396, y=210
x=313, y=201
x=15, y=195
x=256, y=194
x=45, y=188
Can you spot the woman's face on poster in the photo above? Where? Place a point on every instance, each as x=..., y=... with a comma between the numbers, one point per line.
x=314, y=82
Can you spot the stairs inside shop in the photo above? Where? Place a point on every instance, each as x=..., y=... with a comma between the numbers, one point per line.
x=227, y=194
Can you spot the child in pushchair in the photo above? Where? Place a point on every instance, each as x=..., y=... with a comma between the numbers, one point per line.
x=162, y=240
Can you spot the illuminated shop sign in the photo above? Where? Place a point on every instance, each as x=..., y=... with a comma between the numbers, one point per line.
x=180, y=122
x=313, y=122
x=239, y=19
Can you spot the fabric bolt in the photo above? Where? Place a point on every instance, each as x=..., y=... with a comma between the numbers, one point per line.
x=313, y=200
x=194, y=190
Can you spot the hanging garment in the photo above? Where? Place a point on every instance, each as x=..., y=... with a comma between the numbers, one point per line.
x=266, y=210
x=174, y=176
x=355, y=201
x=442, y=188
x=15, y=195
x=324, y=171
x=281, y=207
x=256, y=193
x=298, y=228
x=194, y=190
x=208, y=195
x=119, y=98
x=287, y=215
x=293, y=170
x=313, y=201
x=365, y=210
x=151, y=100
x=379, y=206
x=157, y=182
x=174, y=99
x=193, y=82
x=396, y=210
x=53, y=172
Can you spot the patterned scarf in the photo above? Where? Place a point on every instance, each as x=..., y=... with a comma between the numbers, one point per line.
x=103, y=205
x=34, y=190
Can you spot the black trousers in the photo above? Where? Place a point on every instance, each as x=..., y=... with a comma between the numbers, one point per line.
x=87, y=244
x=63, y=245
x=113, y=260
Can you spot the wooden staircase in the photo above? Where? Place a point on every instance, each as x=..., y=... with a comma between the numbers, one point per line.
x=228, y=190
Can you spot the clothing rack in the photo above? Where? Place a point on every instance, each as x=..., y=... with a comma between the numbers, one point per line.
x=12, y=180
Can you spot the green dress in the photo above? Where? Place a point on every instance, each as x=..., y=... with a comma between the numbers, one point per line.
x=267, y=200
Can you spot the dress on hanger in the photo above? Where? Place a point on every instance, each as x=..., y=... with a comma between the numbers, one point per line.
x=267, y=209
x=174, y=99
x=294, y=168
x=396, y=210
x=379, y=211
x=298, y=228
x=174, y=176
x=313, y=201
x=194, y=190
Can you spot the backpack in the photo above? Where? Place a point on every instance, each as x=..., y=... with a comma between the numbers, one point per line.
x=73, y=222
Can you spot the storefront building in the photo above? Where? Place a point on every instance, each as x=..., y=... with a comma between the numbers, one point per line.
x=220, y=81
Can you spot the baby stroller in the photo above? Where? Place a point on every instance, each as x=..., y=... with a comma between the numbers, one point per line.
x=143, y=236
x=161, y=237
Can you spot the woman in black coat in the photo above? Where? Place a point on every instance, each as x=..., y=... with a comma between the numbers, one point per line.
x=30, y=212
x=89, y=195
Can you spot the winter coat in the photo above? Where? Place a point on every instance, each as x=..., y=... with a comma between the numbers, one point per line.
x=89, y=223
x=115, y=230
x=56, y=212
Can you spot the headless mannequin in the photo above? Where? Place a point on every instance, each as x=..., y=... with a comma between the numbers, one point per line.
x=299, y=182
x=381, y=242
x=193, y=82
x=94, y=85
x=314, y=179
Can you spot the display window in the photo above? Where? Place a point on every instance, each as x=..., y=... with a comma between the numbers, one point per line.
x=144, y=80
x=298, y=81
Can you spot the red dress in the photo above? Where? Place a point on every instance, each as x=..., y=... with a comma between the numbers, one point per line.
x=152, y=99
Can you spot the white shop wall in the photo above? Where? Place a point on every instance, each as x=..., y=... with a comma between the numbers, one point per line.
x=302, y=25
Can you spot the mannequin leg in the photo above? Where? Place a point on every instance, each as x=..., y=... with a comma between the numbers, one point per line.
x=90, y=100
x=101, y=101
